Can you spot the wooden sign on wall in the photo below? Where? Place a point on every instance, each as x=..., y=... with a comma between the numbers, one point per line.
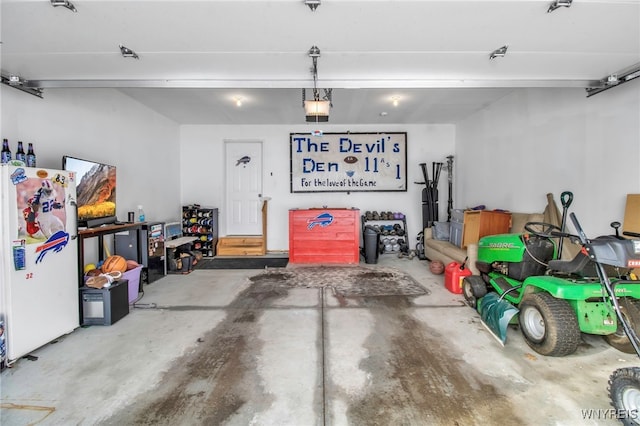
x=348, y=162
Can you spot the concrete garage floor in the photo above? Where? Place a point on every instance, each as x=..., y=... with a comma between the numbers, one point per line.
x=216, y=347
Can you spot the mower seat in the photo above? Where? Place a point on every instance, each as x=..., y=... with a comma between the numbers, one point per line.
x=573, y=266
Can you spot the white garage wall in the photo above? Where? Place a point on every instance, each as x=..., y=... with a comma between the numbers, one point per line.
x=536, y=141
x=106, y=126
x=507, y=156
x=202, y=162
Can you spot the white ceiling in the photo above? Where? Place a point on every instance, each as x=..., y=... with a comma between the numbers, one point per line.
x=196, y=56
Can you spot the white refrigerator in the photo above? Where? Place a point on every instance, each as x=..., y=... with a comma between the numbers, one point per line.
x=39, y=294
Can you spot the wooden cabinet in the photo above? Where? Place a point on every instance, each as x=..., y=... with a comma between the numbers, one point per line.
x=480, y=223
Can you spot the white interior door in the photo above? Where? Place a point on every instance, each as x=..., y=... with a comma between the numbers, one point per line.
x=243, y=162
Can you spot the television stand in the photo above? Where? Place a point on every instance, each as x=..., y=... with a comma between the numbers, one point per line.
x=100, y=232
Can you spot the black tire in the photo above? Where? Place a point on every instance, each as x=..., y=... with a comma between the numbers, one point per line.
x=630, y=309
x=549, y=325
x=624, y=392
x=473, y=288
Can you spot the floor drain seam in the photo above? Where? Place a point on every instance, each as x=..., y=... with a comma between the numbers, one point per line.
x=324, y=386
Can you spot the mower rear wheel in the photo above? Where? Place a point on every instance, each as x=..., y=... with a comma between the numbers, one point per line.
x=624, y=392
x=549, y=325
x=630, y=309
x=473, y=288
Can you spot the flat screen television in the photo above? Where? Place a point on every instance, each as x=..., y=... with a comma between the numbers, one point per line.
x=95, y=191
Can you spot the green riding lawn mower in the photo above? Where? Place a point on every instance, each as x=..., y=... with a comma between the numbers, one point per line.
x=524, y=281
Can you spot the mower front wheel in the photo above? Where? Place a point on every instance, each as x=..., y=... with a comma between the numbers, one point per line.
x=630, y=309
x=624, y=392
x=549, y=325
x=473, y=288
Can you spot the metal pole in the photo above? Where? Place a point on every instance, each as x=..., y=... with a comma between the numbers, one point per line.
x=450, y=177
x=426, y=209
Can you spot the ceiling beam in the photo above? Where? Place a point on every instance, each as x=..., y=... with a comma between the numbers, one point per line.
x=290, y=84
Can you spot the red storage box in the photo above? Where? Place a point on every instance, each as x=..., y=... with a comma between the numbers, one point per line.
x=324, y=236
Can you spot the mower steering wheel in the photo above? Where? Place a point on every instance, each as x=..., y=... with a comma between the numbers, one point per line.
x=546, y=230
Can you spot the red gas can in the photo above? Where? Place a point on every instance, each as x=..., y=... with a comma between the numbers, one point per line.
x=454, y=273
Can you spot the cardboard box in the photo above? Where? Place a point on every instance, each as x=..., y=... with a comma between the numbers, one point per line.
x=632, y=214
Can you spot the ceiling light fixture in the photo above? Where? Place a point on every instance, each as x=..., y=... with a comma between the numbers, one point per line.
x=238, y=100
x=64, y=3
x=559, y=3
x=395, y=100
x=499, y=53
x=316, y=110
x=128, y=53
x=313, y=4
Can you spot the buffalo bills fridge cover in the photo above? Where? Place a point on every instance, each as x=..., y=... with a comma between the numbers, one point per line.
x=39, y=255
